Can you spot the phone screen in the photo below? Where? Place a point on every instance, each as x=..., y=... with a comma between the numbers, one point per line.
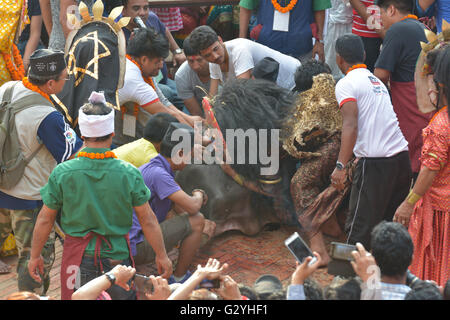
x=343, y=251
x=298, y=248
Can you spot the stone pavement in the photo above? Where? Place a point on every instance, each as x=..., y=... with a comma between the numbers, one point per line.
x=248, y=257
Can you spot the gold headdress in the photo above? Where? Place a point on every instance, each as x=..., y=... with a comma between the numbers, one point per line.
x=423, y=71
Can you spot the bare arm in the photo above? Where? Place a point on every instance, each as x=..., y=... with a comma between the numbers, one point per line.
x=177, y=58
x=42, y=229
x=64, y=7
x=382, y=74
x=152, y=233
x=193, y=106
x=244, y=20
x=425, y=4
x=362, y=11
x=319, y=49
x=190, y=204
x=246, y=75
x=33, y=40
x=46, y=12
x=213, y=87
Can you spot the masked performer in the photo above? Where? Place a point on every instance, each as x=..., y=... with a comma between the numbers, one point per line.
x=95, y=53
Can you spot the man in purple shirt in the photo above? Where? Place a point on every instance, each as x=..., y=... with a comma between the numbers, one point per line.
x=188, y=224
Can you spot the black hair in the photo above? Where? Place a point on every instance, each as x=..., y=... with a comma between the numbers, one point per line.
x=447, y=290
x=188, y=49
x=351, y=48
x=424, y=290
x=203, y=37
x=97, y=109
x=248, y=104
x=148, y=42
x=167, y=142
x=405, y=6
x=343, y=289
x=248, y=292
x=392, y=248
x=157, y=125
x=305, y=73
x=441, y=69
x=41, y=80
x=313, y=290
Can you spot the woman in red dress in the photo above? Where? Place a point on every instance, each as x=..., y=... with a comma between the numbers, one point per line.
x=426, y=210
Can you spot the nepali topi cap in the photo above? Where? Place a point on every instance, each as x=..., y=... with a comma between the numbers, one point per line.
x=46, y=62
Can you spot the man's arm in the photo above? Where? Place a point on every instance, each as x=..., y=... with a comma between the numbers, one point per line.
x=42, y=229
x=214, y=87
x=425, y=4
x=177, y=58
x=33, y=40
x=193, y=106
x=363, y=12
x=244, y=20
x=246, y=75
x=46, y=12
x=190, y=204
x=382, y=74
x=152, y=233
x=319, y=18
x=63, y=8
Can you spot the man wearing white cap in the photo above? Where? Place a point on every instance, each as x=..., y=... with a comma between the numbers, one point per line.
x=96, y=194
x=44, y=139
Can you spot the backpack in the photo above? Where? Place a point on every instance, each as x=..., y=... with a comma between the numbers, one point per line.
x=12, y=160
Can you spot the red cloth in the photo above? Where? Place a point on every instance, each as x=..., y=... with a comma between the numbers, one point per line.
x=73, y=251
x=430, y=222
x=410, y=119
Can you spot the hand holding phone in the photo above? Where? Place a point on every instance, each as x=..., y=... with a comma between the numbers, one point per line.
x=299, y=248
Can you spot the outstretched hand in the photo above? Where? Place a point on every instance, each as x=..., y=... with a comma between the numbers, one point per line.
x=304, y=270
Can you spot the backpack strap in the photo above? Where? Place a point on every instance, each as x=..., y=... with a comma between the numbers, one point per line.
x=23, y=103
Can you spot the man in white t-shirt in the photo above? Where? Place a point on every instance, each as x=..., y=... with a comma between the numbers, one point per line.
x=140, y=96
x=371, y=132
x=236, y=58
x=192, y=79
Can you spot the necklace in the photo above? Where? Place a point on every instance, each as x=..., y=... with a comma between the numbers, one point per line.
x=281, y=9
x=356, y=66
x=16, y=71
x=34, y=88
x=410, y=16
x=96, y=155
x=148, y=80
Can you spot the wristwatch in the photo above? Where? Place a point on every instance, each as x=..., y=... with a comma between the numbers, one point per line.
x=177, y=51
x=339, y=165
x=111, y=277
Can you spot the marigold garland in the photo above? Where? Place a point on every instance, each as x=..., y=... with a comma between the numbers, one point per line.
x=16, y=71
x=281, y=9
x=96, y=155
x=356, y=66
x=34, y=88
x=148, y=80
x=410, y=16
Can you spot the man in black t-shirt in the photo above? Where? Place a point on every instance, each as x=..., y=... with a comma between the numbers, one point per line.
x=396, y=65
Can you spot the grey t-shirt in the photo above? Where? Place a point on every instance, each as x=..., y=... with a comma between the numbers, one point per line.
x=188, y=84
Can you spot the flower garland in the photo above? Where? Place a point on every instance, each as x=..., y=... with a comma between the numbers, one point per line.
x=281, y=9
x=34, y=88
x=356, y=66
x=96, y=155
x=410, y=16
x=17, y=72
x=148, y=80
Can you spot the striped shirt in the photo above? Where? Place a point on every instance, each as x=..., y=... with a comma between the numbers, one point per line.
x=360, y=27
x=170, y=17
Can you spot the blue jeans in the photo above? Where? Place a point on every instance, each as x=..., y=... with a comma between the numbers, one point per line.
x=88, y=272
x=169, y=89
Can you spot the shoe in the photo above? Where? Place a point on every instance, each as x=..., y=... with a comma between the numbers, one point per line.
x=186, y=276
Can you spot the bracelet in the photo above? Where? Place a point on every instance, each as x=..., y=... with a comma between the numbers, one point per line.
x=200, y=190
x=413, y=197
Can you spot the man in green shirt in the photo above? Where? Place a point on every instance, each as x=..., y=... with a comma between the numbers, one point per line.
x=96, y=195
x=287, y=32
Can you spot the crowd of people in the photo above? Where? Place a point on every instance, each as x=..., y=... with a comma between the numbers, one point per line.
x=107, y=178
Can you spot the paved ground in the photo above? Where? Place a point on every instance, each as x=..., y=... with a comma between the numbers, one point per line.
x=248, y=257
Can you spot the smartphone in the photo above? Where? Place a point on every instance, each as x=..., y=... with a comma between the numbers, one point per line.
x=210, y=284
x=342, y=251
x=299, y=248
x=143, y=283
